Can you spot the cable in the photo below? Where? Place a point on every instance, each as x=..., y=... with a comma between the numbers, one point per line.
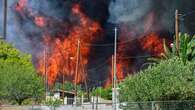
x=136, y=57
x=108, y=44
x=189, y=13
x=99, y=66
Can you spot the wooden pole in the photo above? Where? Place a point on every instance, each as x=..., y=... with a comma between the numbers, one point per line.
x=177, y=30
x=45, y=67
x=77, y=66
x=63, y=88
x=5, y=19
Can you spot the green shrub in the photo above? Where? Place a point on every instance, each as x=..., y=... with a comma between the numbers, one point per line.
x=105, y=93
x=168, y=80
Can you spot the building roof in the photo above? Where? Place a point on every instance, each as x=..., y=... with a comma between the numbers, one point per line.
x=67, y=92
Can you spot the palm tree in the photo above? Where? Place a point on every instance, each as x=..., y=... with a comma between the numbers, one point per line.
x=186, y=49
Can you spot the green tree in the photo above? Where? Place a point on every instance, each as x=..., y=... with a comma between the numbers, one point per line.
x=186, y=49
x=105, y=93
x=67, y=86
x=168, y=80
x=18, y=77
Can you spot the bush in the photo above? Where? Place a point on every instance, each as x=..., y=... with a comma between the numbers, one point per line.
x=168, y=80
x=54, y=103
x=105, y=93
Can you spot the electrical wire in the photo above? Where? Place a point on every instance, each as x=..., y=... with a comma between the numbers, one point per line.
x=108, y=44
x=189, y=13
x=99, y=66
x=132, y=57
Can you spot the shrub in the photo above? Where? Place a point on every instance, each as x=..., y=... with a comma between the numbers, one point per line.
x=168, y=80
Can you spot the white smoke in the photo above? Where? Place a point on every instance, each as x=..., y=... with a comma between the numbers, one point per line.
x=128, y=10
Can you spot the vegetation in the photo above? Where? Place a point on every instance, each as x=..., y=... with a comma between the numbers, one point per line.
x=18, y=78
x=53, y=104
x=105, y=93
x=67, y=86
x=186, y=49
x=169, y=80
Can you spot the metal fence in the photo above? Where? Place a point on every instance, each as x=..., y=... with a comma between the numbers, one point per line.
x=153, y=105
x=159, y=105
x=62, y=107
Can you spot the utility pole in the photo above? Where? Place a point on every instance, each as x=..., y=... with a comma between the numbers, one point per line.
x=4, y=19
x=115, y=71
x=63, y=88
x=112, y=71
x=45, y=67
x=77, y=67
x=177, y=30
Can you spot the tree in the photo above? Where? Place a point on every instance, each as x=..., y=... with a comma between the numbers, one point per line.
x=67, y=86
x=186, y=49
x=168, y=80
x=18, y=77
x=105, y=93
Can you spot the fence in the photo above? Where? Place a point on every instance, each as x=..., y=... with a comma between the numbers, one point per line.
x=159, y=105
x=62, y=107
x=69, y=104
x=153, y=105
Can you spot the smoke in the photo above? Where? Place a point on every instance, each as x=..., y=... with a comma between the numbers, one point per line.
x=128, y=10
x=159, y=14
x=133, y=13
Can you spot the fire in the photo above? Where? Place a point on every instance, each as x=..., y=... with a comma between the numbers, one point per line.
x=63, y=56
x=60, y=53
x=21, y=5
x=40, y=21
x=153, y=44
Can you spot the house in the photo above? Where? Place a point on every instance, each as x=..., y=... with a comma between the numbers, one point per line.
x=67, y=97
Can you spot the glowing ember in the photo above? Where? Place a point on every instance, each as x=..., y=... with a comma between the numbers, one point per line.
x=40, y=21
x=21, y=5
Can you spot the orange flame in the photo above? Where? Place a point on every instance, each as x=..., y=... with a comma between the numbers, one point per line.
x=60, y=55
x=153, y=44
x=62, y=58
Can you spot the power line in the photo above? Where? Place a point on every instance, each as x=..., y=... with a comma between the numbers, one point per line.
x=132, y=57
x=99, y=66
x=108, y=44
x=189, y=13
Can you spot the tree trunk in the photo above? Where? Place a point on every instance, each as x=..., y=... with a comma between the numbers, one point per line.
x=19, y=101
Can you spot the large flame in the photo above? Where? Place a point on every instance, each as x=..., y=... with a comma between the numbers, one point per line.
x=61, y=52
x=63, y=57
x=59, y=56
